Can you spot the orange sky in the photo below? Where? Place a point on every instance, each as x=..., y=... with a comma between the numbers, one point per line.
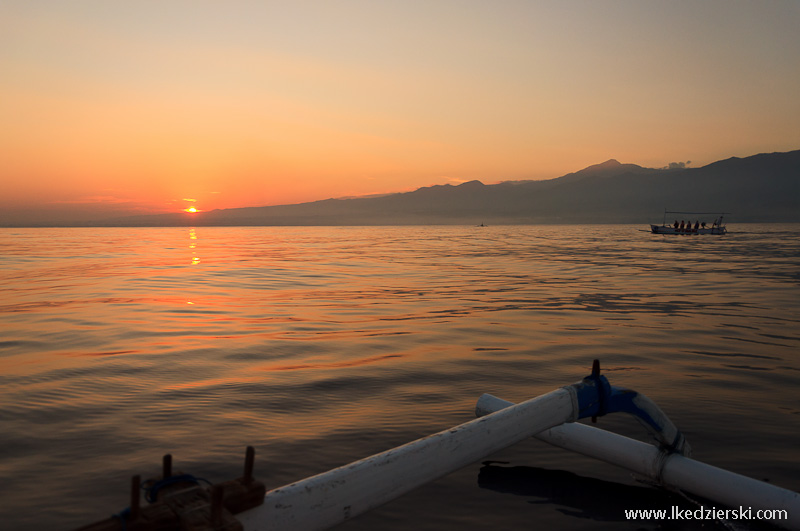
x=109, y=108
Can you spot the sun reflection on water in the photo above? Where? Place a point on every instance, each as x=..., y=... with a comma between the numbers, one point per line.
x=193, y=246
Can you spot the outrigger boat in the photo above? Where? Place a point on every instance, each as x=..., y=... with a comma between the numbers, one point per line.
x=330, y=498
x=717, y=226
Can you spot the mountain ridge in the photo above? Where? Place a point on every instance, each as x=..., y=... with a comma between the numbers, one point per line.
x=759, y=188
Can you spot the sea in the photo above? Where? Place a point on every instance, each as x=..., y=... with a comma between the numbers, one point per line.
x=319, y=346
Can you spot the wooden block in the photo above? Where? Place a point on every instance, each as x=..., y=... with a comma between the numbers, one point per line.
x=241, y=495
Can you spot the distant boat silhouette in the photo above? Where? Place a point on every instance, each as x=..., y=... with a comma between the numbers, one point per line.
x=717, y=227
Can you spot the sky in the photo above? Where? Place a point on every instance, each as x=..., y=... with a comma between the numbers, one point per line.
x=113, y=108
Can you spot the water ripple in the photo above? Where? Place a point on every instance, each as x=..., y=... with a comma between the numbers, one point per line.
x=324, y=345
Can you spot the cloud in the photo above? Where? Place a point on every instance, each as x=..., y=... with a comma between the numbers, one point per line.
x=677, y=165
x=88, y=199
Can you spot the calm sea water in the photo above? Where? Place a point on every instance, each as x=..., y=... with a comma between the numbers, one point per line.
x=320, y=346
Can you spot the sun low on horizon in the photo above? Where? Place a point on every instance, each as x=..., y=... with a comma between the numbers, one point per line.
x=112, y=109
x=191, y=209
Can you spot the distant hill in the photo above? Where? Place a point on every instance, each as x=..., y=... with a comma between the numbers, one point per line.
x=761, y=188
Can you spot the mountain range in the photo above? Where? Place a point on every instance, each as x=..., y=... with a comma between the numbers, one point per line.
x=760, y=188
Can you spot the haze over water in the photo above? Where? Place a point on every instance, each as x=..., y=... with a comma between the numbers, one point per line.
x=320, y=346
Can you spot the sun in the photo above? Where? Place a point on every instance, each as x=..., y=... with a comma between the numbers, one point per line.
x=191, y=209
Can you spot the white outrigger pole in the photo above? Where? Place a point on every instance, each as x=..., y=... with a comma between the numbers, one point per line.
x=671, y=470
x=330, y=498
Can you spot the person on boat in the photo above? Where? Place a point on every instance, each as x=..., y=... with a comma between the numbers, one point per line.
x=682, y=224
x=696, y=224
x=703, y=224
x=676, y=224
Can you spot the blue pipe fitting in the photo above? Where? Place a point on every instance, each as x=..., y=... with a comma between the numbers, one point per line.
x=597, y=397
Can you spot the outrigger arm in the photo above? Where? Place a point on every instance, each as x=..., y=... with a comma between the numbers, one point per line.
x=668, y=469
x=332, y=497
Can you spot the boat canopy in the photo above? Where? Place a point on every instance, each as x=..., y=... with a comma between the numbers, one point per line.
x=720, y=214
